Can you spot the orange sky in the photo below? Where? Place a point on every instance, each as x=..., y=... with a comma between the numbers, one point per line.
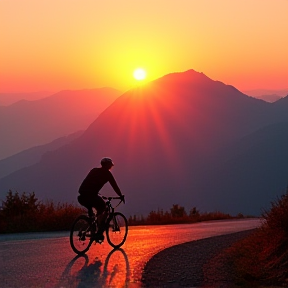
x=72, y=44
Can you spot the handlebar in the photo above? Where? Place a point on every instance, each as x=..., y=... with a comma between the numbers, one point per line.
x=122, y=198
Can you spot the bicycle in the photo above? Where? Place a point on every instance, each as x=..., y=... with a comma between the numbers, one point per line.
x=84, y=229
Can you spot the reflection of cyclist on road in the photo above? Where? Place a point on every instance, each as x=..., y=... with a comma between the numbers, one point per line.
x=80, y=272
x=90, y=188
x=89, y=275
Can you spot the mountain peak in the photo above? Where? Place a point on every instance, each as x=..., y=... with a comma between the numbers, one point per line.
x=186, y=76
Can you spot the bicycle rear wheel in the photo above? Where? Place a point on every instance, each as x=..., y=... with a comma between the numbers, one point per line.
x=80, y=235
x=117, y=230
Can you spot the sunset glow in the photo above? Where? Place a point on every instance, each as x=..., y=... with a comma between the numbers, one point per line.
x=98, y=43
x=139, y=74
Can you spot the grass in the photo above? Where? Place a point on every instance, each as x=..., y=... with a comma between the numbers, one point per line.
x=261, y=259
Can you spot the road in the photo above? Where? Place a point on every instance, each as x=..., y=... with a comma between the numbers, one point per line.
x=46, y=259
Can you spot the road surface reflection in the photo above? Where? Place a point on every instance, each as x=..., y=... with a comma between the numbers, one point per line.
x=103, y=267
x=85, y=272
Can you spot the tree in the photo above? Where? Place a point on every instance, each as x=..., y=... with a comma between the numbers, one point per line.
x=16, y=205
x=178, y=211
x=19, y=212
x=194, y=214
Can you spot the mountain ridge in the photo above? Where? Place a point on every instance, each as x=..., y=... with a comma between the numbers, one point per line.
x=32, y=155
x=164, y=138
x=30, y=123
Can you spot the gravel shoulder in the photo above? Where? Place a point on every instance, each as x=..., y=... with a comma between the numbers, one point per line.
x=200, y=263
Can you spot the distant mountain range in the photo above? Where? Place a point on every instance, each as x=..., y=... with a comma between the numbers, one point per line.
x=183, y=139
x=26, y=124
x=267, y=95
x=33, y=155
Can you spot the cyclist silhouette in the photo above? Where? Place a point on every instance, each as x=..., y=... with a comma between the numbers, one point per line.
x=90, y=188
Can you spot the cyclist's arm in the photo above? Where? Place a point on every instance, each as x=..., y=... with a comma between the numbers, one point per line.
x=114, y=185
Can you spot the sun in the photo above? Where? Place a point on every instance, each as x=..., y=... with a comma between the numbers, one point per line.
x=139, y=74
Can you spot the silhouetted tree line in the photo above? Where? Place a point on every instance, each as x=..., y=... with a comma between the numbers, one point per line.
x=178, y=215
x=25, y=213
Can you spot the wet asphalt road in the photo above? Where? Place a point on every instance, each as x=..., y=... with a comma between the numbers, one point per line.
x=46, y=260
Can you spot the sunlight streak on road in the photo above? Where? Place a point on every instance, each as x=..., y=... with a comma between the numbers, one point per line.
x=51, y=263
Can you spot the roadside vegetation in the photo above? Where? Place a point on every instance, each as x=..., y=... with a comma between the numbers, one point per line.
x=178, y=215
x=25, y=213
x=262, y=258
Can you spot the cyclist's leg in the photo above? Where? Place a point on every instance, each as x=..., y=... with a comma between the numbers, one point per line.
x=87, y=204
x=102, y=214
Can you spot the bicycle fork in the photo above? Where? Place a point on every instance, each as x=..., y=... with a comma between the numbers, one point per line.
x=116, y=227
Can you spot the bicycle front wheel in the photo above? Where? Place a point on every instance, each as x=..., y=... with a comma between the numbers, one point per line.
x=117, y=230
x=80, y=235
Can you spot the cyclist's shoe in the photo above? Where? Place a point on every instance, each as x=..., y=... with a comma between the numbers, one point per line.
x=98, y=237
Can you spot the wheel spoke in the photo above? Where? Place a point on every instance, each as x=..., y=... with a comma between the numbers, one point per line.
x=117, y=230
x=80, y=235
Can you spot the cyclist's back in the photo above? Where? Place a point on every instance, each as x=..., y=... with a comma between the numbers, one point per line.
x=95, y=180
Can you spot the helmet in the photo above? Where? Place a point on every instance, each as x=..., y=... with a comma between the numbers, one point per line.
x=106, y=160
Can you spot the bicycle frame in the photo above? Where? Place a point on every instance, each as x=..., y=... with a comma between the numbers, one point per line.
x=109, y=206
x=111, y=211
x=108, y=203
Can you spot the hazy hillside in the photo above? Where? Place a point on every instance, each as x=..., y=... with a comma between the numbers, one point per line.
x=26, y=124
x=166, y=139
x=32, y=155
x=10, y=98
x=251, y=172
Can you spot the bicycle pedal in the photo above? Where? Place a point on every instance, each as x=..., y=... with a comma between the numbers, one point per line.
x=98, y=241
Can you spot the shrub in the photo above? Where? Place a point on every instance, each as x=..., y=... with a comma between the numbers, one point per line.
x=263, y=256
x=24, y=213
x=177, y=215
x=277, y=217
